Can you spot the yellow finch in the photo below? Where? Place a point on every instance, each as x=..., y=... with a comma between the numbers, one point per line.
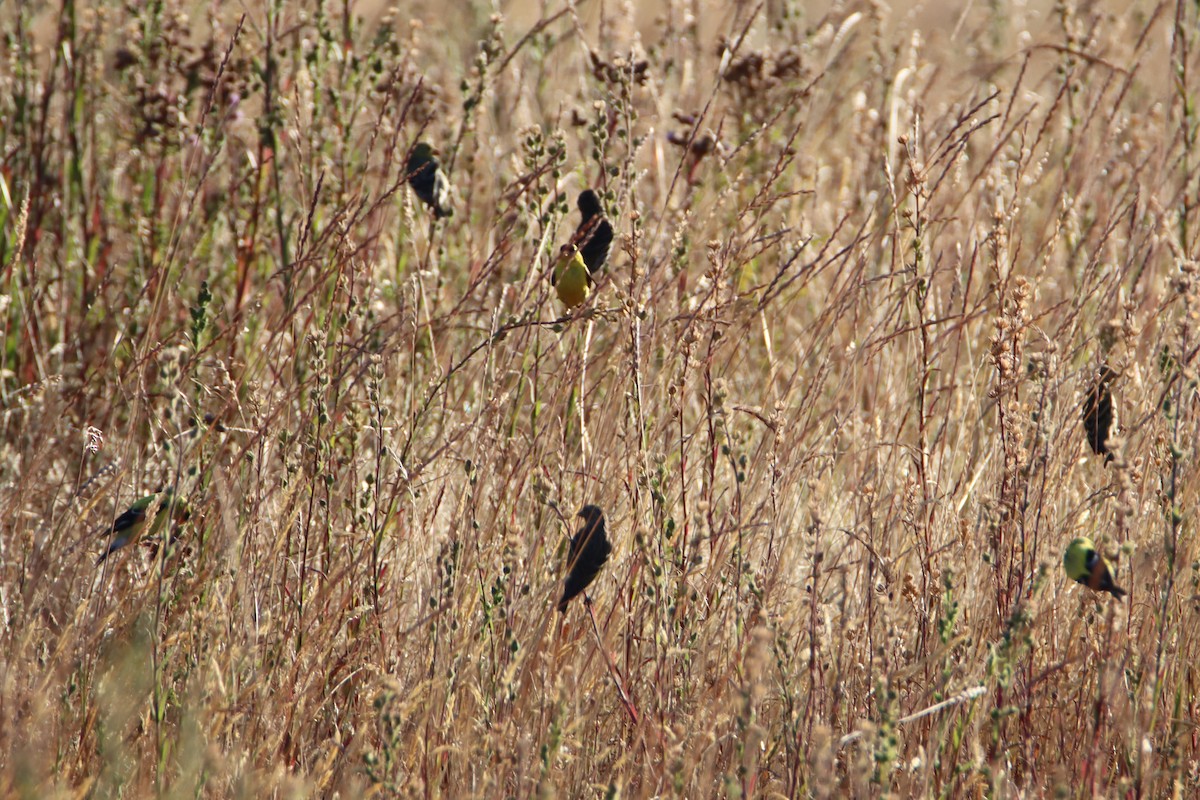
x=132, y=524
x=571, y=278
x=1084, y=565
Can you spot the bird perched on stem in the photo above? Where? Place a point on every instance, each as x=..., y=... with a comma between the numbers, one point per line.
x=1085, y=565
x=582, y=257
x=427, y=180
x=1098, y=413
x=131, y=525
x=594, y=235
x=570, y=278
x=589, y=552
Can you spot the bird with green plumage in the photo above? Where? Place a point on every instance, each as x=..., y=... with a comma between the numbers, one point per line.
x=145, y=518
x=1084, y=564
x=571, y=279
x=585, y=254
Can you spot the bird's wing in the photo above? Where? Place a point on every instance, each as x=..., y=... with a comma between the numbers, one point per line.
x=128, y=519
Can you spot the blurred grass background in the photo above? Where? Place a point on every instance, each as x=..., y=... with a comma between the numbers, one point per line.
x=828, y=392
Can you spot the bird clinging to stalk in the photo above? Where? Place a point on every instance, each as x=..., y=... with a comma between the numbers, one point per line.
x=585, y=254
x=594, y=235
x=570, y=278
x=131, y=525
x=427, y=180
x=1098, y=413
x=589, y=552
x=1085, y=565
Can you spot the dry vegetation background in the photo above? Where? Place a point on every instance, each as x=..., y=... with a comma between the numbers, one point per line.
x=828, y=392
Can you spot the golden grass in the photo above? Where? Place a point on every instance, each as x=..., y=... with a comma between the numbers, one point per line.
x=828, y=392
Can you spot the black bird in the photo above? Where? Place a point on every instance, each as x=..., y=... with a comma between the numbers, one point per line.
x=1098, y=413
x=426, y=178
x=589, y=552
x=594, y=235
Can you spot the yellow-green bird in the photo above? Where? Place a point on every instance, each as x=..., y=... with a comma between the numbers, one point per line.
x=131, y=525
x=1085, y=565
x=571, y=277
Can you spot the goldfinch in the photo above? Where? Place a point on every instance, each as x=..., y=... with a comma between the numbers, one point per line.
x=589, y=552
x=1084, y=565
x=427, y=180
x=131, y=525
x=571, y=278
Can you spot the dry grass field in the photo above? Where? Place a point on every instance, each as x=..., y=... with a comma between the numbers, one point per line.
x=869, y=259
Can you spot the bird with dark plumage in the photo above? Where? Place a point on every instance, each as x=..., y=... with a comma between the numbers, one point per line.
x=131, y=525
x=589, y=552
x=1085, y=565
x=1098, y=413
x=582, y=257
x=427, y=180
x=594, y=235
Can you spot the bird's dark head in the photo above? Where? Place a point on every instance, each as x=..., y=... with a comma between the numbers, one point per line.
x=589, y=203
x=422, y=158
x=592, y=515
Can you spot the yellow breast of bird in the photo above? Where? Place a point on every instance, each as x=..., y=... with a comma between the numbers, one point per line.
x=571, y=280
